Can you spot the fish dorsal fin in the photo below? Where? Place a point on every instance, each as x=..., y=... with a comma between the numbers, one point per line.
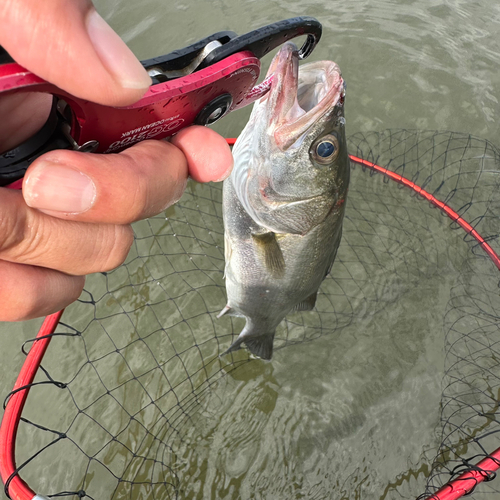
x=307, y=304
x=270, y=252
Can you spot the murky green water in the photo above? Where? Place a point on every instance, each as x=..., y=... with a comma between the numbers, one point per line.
x=352, y=413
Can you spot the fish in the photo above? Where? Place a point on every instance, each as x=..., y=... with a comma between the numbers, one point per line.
x=284, y=202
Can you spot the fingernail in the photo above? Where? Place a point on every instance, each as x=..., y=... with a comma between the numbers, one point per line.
x=115, y=55
x=51, y=186
x=228, y=172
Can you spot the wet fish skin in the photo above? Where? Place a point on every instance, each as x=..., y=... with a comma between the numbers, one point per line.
x=283, y=205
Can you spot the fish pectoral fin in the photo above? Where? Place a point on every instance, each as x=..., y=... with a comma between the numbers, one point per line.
x=270, y=252
x=307, y=304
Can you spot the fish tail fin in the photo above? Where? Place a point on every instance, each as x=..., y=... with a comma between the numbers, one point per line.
x=261, y=346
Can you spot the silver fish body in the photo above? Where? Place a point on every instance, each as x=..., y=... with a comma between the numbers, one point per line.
x=284, y=203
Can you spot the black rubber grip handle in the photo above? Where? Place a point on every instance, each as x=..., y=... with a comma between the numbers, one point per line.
x=4, y=57
x=13, y=163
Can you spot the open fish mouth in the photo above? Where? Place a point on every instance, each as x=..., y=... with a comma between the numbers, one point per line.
x=299, y=98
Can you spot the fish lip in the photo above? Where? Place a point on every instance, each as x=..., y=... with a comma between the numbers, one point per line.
x=286, y=120
x=285, y=78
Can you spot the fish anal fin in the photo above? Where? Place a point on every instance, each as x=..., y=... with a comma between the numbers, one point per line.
x=307, y=304
x=234, y=346
x=270, y=252
x=226, y=309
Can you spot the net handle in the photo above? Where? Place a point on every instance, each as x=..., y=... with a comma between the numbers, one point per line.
x=467, y=481
x=17, y=489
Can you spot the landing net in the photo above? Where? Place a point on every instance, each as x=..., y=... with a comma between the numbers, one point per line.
x=133, y=400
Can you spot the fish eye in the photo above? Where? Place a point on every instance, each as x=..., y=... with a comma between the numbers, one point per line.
x=326, y=149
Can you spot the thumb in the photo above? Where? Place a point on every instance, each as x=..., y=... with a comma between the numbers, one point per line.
x=67, y=43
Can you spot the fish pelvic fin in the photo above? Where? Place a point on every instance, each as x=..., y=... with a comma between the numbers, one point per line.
x=270, y=252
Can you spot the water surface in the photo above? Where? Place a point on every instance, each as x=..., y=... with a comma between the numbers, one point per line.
x=349, y=414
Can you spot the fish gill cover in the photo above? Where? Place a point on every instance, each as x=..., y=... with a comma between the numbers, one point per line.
x=149, y=409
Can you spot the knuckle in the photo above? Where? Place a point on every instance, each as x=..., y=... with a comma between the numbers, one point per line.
x=132, y=197
x=138, y=197
x=33, y=243
x=22, y=237
x=27, y=298
x=12, y=231
x=115, y=247
x=158, y=178
x=42, y=242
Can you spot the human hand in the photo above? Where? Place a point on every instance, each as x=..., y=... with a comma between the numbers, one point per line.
x=73, y=215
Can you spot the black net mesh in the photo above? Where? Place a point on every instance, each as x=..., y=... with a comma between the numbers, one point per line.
x=383, y=389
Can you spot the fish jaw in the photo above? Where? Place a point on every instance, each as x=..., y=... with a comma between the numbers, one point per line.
x=289, y=115
x=281, y=101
